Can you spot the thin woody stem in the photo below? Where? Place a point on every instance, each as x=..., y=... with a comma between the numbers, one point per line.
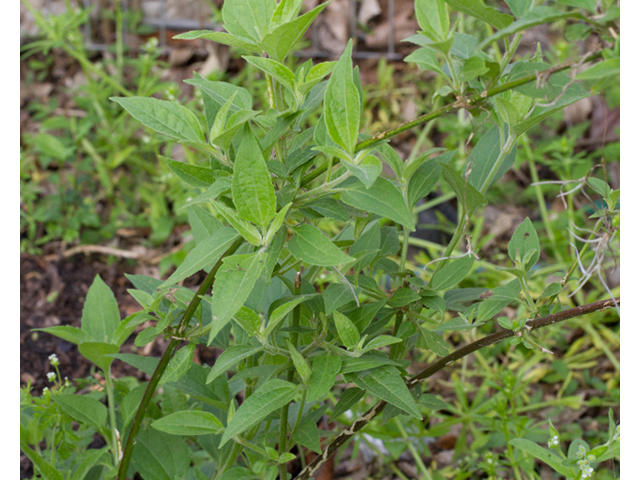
x=440, y=364
x=164, y=361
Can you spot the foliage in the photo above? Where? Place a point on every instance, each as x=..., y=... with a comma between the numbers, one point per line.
x=305, y=244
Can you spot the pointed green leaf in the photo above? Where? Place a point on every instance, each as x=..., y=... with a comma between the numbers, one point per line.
x=282, y=311
x=244, y=228
x=386, y=384
x=179, y=364
x=206, y=253
x=202, y=223
x=423, y=180
x=165, y=117
x=466, y=193
x=310, y=245
x=219, y=37
x=477, y=9
x=383, y=198
x=348, y=399
x=68, y=333
x=276, y=69
x=299, y=362
x=160, y=456
x=324, y=371
x=342, y=104
x=337, y=295
x=365, y=362
x=83, y=409
x=549, y=457
x=100, y=315
x=190, y=174
x=381, y=341
x=271, y=396
x=193, y=422
x=232, y=287
x=429, y=340
x=86, y=461
x=524, y=239
x=229, y=358
x=247, y=18
x=308, y=436
x=367, y=171
x=253, y=193
x=483, y=157
x=451, y=274
x=99, y=353
x=433, y=18
x=45, y=469
x=348, y=332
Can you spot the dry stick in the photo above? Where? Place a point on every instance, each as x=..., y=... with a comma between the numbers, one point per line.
x=362, y=421
x=460, y=103
x=164, y=361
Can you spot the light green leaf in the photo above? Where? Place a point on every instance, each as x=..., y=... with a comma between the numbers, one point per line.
x=324, y=371
x=601, y=69
x=386, y=384
x=423, y=180
x=160, y=456
x=466, y=193
x=190, y=422
x=144, y=364
x=207, y=252
x=230, y=357
x=342, y=104
x=426, y=59
x=433, y=18
x=179, y=364
x=365, y=362
x=308, y=436
x=45, y=469
x=165, y=117
x=248, y=320
x=483, y=157
x=524, y=239
x=253, y=193
x=99, y=353
x=348, y=399
x=276, y=69
x=429, y=340
x=473, y=67
x=367, y=171
x=547, y=456
x=284, y=38
x=247, y=18
x=232, y=287
x=244, y=228
x=68, y=333
x=276, y=224
x=299, y=362
x=477, y=9
x=271, y=396
x=310, y=245
x=282, y=311
x=348, y=332
x=403, y=297
x=100, y=315
x=453, y=273
x=86, y=461
x=83, y=409
x=285, y=12
x=202, y=223
x=383, y=198
x=519, y=7
x=219, y=93
x=191, y=174
x=219, y=37
x=337, y=295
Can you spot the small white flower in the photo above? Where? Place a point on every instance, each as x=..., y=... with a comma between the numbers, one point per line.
x=587, y=472
x=45, y=390
x=66, y=381
x=553, y=441
x=53, y=358
x=51, y=376
x=145, y=139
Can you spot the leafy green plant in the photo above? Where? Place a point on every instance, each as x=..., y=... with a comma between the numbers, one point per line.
x=305, y=244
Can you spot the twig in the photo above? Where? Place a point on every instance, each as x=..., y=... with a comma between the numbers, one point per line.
x=435, y=367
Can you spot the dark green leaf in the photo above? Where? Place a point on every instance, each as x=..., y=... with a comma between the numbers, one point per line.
x=191, y=174
x=524, y=239
x=83, y=409
x=477, y=9
x=193, y=422
x=453, y=273
x=99, y=353
x=483, y=157
x=310, y=245
x=386, y=383
x=324, y=371
x=423, y=180
x=100, y=315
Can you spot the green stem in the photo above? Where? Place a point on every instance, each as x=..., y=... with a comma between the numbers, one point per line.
x=112, y=416
x=452, y=244
x=412, y=449
x=164, y=361
x=119, y=42
x=504, y=152
x=233, y=454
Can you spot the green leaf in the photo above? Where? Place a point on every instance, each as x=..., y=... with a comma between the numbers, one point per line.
x=348, y=399
x=207, y=252
x=310, y=245
x=45, y=469
x=253, y=193
x=219, y=37
x=86, y=461
x=452, y=273
x=476, y=9
x=391, y=157
x=308, y=435
x=271, y=396
x=383, y=198
x=202, y=223
x=190, y=422
x=247, y=18
x=473, y=67
x=284, y=38
x=232, y=287
x=100, y=315
x=282, y=311
x=519, y=7
x=329, y=207
x=248, y=320
x=552, y=289
x=423, y=180
x=403, y=297
x=337, y=295
x=99, y=353
x=466, y=193
x=365, y=362
x=285, y=12
x=381, y=341
x=348, y=332
x=433, y=403
x=324, y=371
x=160, y=456
x=276, y=224
x=601, y=69
x=191, y=174
x=179, y=365
x=165, y=117
x=547, y=456
x=68, y=333
x=483, y=157
x=299, y=362
x=536, y=16
x=244, y=228
x=276, y=69
x=524, y=239
x=230, y=357
x=218, y=93
x=433, y=18
x=367, y=171
x=83, y=409
x=429, y=340
x=386, y=384
x=144, y=364
x=463, y=45
x=342, y=104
